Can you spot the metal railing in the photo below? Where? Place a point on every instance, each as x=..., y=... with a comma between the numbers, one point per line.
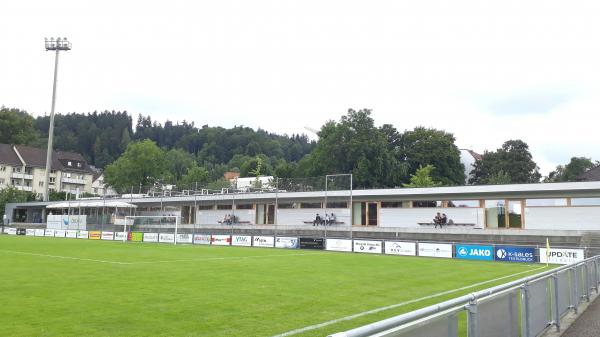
x=532, y=305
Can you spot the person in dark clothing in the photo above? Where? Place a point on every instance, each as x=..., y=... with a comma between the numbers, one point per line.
x=437, y=221
x=444, y=220
x=317, y=220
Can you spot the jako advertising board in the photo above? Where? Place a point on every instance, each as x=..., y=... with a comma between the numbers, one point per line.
x=263, y=241
x=108, y=235
x=368, y=246
x=401, y=248
x=184, y=238
x=338, y=245
x=202, y=239
x=515, y=254
x=286, y=242
x=470, y=252
x=220, y=240
x=312, y=243
x=561, y=255
x=435, y=250
x=166, y=238
x=241, y=240
x=150, y=237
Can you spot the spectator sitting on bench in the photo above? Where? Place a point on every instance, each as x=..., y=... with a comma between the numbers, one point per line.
x=317, y=220
x=327, y=220
x=332, y=219
x=444, y=220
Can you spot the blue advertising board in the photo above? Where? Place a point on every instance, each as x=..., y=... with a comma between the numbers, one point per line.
x=471, y=252
x=515, y=254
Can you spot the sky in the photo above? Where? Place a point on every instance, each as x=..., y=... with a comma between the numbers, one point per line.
x=486, y=71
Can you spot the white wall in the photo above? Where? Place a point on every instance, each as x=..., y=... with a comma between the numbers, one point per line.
x=565, y=218
x=411, y=217
x=297, y=216
x=212, y=217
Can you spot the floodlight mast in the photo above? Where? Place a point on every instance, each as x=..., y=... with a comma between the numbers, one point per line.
x=56, y=45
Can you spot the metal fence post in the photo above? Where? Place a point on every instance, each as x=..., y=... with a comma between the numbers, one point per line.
x=596, y=277
x=575, y=289
x=586, y=282
x=525, y=311
x=472, y=317
x=556, y=307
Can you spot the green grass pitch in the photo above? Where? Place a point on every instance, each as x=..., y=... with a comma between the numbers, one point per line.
x=70, y=287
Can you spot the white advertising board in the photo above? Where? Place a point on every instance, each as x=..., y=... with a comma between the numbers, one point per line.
x=120, y=236
x=82, y=234
x=263, y=241
x=49, y=232
x=166, y=238
x=202, y=239
x=30, y=232
x=150, y=237
x=71, y=234
x=338, y=245
x=10, y=231
x=41, y=232
x=220, y=240
x=435, y=250
x=108, y=235
x=184, y=238
x=400, y=248
x=241, y=240
x=368, y=246
x=561, y=255
x=57, y=221
x=286, y=242
x=59, y=233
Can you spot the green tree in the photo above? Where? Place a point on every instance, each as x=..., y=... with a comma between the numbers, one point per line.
x=422, y=178
x=498, y=178
x=196, y=175
x=179, y=163
x=512, y=159
x=219, y=184
x=571, y=171
x=10, y=194
x=16, y=127
x=421, y=147
x=143, y=163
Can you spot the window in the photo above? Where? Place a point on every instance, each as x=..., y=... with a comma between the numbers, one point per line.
x=1, y=181
x=545, y=202
x=224, y=207
x=463, y=203
x=206, y=207
x=286, y=205
x=69, y=163
x=243, y=206
x=78, y=164
x=337, y=204
x=68, y=175
x=52, y=180
x=310, y=205
x=426, y=203
x=52, y=171
x=2, y=168
x=585, y=202
x=391, y=204
x=41, y=184
x=495, y=213
x=16, y=169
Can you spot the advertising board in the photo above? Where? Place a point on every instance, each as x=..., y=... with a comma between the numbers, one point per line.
x=220, y=240
x=472, y=252
x=184, y=238
x=338, y=245
x=49, y=232
x=82, y=234
x=137, y=236
x=95, y=235
x=71, y=234
x=120, y=236
x=21, y=231
x=515, y=254
x=286, y=242
x=368, y=246
x=312, y=243
x=400, y=248
x=561, y=255
x=166, y=238
x=60, y=233
x=10, y=231
x=40, y=232
x=263, y=241
x=241, y=240
x=150, y=237
x=108, y=235
x=30, y=232
x=202, y=239
x=435, y=250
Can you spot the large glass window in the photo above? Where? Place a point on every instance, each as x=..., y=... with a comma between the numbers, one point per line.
x=495, y=214
x=585, y=202
x=515, y=214
x=463, y=203
x=391, y=204
x=228, y=206
x=286, y=205
x=243, y=206
x=546, y=202
x=337, y=204
x=310, y=205
x=426, y=203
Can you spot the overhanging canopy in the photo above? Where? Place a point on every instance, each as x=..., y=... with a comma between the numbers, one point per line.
x=92, y=204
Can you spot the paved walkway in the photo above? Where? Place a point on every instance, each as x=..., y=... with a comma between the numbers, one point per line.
x=588, y=324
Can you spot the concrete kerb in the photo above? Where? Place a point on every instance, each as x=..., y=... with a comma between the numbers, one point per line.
x=569, y=319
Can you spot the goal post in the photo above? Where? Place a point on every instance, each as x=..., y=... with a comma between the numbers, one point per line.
x=152, y=228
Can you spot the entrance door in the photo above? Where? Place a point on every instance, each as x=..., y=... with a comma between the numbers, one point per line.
x=260, y=214
x=270, y=214
x=372, y=214
x=365, y=214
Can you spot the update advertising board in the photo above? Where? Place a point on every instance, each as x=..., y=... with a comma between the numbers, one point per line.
x=108, y=235
x=220, y=240
x=202, y=239
x=82, y=234
x=263, y=241
x=312, y=243
x=472, y=252
x=561, y=255
x=400, y=248
x=368, y=246
x=338, y=245
x=95, y=235
x=435, y=250
x=241, y=240
x=71, y=234
x=515, y=254
x=286, y=242
x=184, y=238
x=150, y=237
x=166, y=238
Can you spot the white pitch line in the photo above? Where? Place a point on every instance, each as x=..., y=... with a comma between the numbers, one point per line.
x=221, y=258
x=376, y=310
x=64, y=257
